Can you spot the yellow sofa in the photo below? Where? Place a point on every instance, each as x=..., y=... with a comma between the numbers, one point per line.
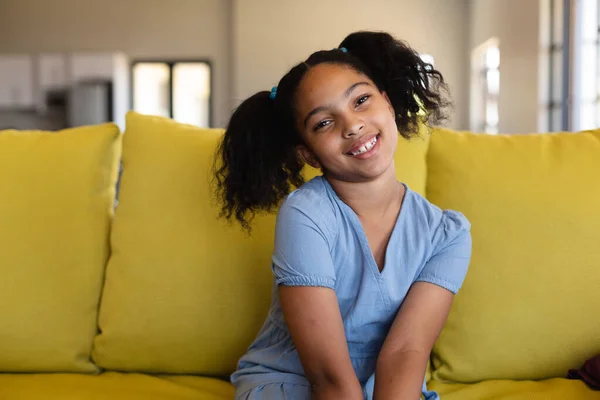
x=159, y=299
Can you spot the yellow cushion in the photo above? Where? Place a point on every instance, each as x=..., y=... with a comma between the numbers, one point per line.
x=184, y=292
x=552, y=389
x=57, y=195
x=529, y=306
x=112, y=386
x=410, y=161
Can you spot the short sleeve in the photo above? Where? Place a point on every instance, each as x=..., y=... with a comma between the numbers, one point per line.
x=303, y=239
x=451, y=252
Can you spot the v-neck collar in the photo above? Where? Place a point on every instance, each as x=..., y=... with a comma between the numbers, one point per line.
x=362, y=236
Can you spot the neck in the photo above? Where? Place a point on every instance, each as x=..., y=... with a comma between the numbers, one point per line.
x=372, y=198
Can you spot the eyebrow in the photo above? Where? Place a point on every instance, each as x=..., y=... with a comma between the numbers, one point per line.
x=323, y=108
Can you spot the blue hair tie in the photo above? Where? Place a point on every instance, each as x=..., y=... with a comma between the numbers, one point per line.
x=343, y=49
x=273, y=93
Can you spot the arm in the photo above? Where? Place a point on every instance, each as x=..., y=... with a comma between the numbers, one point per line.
x=403, y=358
x=313, y=317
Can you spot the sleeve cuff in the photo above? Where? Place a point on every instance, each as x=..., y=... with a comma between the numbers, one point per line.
x=306, y=281
x=451, y=286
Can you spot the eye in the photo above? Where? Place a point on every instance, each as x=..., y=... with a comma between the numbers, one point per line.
x=362, y=99
x=321, y=124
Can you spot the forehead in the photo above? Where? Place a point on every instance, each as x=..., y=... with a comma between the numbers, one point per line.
x=324, y=84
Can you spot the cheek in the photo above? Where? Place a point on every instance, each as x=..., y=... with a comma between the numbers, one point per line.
x=385, y=113
x=393, y=124
x=320, y=146
x=391, y=113
x=387, y=118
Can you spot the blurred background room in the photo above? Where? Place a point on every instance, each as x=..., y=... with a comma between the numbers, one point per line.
x=513, y=66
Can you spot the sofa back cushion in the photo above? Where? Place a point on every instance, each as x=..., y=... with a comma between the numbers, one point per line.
x=528, y=308
x=184, y=292
x=57, y=194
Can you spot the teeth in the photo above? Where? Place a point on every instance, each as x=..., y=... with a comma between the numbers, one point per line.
x=368, y=146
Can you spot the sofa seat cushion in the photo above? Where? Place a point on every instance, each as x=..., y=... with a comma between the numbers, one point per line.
x=112, y=386
x=551, y=389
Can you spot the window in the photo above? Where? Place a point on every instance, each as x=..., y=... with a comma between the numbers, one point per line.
x=586, y=76
x=570, y=62
x=485, y=87
x=179, y=90
x=555, y=54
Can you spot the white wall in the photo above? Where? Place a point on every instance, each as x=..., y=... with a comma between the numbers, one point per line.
x=271, y=36
x=516, y=24
x=149, y=29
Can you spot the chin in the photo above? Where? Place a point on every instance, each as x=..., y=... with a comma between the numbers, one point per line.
x=370, y=174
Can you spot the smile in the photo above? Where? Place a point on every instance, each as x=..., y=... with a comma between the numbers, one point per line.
x=365, y=147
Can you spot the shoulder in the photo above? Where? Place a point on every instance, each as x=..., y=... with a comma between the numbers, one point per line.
x=448, y=238
x=312, y=198
x=435, y=220
x=310, y=206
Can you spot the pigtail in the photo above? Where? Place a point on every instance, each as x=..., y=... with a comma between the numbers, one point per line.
x=416, y=89
x=255, y=162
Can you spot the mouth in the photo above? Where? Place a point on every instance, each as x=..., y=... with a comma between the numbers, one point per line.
x=364, y=147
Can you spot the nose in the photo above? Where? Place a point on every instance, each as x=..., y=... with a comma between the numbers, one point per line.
x=354, y=125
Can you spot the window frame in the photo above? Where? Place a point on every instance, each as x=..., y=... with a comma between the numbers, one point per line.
x=480, y=94
x=580, y=78
x=171, y=63
x=556, y=92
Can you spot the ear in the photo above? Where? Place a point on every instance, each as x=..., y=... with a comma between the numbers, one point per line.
x=308, y=156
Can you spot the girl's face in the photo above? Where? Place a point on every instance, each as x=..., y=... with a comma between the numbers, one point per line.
x=348, y=126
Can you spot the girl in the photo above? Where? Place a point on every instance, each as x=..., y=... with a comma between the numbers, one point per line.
x=365, y=269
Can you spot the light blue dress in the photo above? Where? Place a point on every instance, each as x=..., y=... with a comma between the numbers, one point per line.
x=319, y=241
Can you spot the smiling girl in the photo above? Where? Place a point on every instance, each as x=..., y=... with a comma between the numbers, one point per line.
x=365, y=268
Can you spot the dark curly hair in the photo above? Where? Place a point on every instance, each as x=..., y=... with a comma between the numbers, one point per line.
x=257, y=165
